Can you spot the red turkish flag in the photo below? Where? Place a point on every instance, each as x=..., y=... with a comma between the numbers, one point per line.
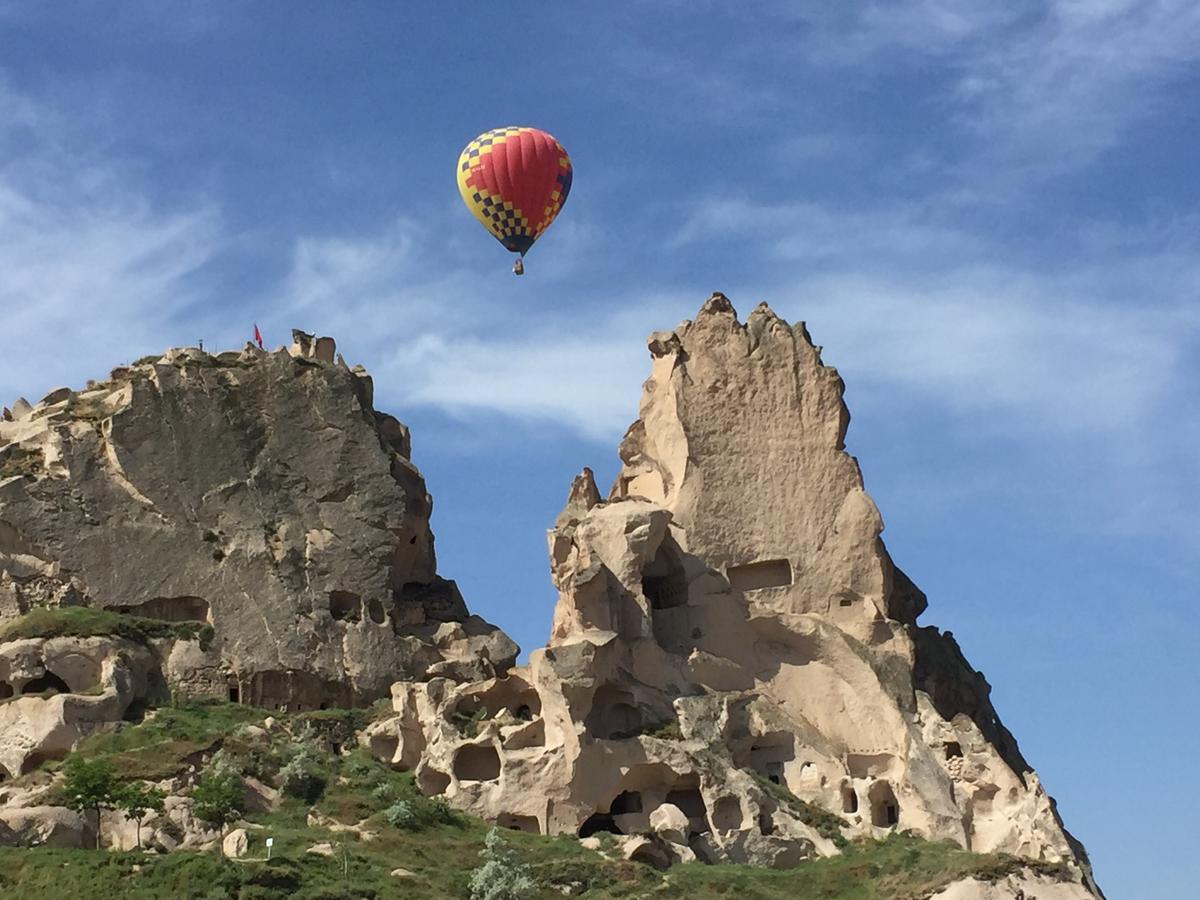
x=257, y=336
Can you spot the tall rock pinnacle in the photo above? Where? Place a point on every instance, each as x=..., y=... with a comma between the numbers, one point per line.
x=734, y=662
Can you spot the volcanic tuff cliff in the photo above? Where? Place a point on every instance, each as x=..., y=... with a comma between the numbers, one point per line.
x=258, y=492
x=734, y=672
x=734, y=664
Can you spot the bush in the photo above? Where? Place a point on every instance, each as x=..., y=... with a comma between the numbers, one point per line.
x=218, y=798
x=302, y=776
x=402, y=815
x=384, y=793
x=502, y=876
x=442, y=812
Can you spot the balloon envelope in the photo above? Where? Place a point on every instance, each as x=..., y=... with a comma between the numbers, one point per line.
x=514, y=180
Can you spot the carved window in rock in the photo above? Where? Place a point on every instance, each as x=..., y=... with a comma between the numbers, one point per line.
x=756, y=576
x=665, y=586
x=885, y=810
x=849, y=799
x=691, y=802
x=727, y=814
x=664, y=581
x=432, y=781
x=510, y=695
x=625, y=803
x=345, y=606
x=477, y=763
x=514, y=822
x=770, y=752
x=598, y=822
x=169, y=609
x=6, y=690
x=614, y=714
x=49, y=682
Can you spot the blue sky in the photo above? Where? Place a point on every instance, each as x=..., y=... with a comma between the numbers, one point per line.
x=987, y=213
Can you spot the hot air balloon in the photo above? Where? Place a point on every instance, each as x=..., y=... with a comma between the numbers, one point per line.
x=515, y=180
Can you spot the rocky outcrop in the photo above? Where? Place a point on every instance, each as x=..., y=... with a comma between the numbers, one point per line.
x=259, y=492
x=734, y=670
x=57, y=691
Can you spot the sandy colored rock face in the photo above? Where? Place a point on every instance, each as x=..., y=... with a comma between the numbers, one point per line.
x=59, y=690
x=734, y=659
x=259, y=492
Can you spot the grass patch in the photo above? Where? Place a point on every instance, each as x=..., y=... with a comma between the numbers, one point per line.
x=86, y=621
x=901, y=867
x=174, y=738
x=440, y=847
x=821, y=820
x=441, y=858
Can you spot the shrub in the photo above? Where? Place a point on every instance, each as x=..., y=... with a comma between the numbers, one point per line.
x=302, y=776
x=402, y=815
x=468, y=723
x=384, y=793
x=442, y=812
x=219, y=797
x=502, y=876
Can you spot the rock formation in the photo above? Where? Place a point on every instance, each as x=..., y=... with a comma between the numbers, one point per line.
x=734, y=664
x=734, y=671
x=260, y=493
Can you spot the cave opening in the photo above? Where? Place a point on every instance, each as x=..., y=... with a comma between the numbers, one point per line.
x=49, y=682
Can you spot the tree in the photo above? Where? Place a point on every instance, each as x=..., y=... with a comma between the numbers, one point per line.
x=218, y=798
x=136, y=801
x=502, y=876
x=90, y=785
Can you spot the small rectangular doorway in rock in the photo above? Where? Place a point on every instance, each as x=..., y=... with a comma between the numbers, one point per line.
x=758, y=575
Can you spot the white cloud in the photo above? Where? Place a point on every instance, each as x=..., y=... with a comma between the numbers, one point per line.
x=1040, y=88
x=475, y=339
x=1069, y=86
x=911, y=233
x=91, y=269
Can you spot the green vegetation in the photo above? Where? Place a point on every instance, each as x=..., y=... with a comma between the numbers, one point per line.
x=16, y=460
x=502, y=876
x=448, y=854
x=825, y=823
x=85, y=621
x=171, y=739
x=468, y=722
x=667, y=731
x=218, y=798
x=87, y=410
x=90, y=785
x=303, y=776
x=137, y=801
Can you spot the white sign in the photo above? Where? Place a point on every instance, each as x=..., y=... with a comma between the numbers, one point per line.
x=270, y=842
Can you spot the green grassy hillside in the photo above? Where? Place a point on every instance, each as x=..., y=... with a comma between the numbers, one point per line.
x=329, y=787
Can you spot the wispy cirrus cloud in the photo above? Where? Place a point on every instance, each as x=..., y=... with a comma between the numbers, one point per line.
x=91, y=268
x=1044, y=86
